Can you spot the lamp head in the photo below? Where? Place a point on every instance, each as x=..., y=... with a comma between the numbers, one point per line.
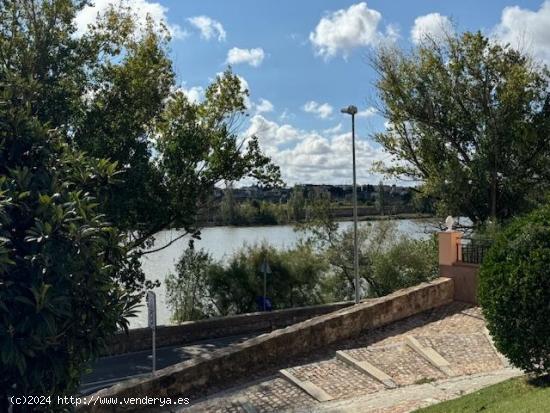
x=350, y=110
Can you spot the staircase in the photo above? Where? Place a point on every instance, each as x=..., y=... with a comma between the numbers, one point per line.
x=448, y=342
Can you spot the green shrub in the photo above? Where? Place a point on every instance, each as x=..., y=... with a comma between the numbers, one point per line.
x=514, y=292
x=63, y=270
x=186, y=289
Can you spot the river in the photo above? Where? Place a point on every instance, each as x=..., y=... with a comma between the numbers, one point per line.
x=222, y=242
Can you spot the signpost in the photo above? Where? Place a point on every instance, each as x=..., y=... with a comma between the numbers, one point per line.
x=152, y=323
x=265, y=269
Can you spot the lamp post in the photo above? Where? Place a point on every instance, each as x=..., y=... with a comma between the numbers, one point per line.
x=352, y=110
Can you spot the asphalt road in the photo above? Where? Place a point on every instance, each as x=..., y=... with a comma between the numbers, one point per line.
x=107, y=371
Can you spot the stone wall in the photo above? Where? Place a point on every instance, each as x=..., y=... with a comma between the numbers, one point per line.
x=140, y=338
x=465, y=277
x=254, y=354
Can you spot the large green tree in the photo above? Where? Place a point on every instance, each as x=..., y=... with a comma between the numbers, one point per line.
x=99, y=150
x=469, y=118
x=113, y=91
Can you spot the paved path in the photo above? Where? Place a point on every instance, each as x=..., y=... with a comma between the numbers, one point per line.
x=112, y=369
x=410, y=398
x=426, y=358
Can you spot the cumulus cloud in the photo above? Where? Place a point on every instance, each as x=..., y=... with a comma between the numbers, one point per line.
x=141, y=8
x=270, y=133
x=208, y=27
x=254, y=57
x=264, y=106
x=308, y=156
x=526, y=29
x=346, y=29
x=322, y=111
x=432, y=26
x=195, y=94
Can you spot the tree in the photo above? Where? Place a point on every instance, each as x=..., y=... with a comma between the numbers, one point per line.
x=381, y=199
x=203, y=288
x=514, y=292
x=297, y=204
x=228, y=207
x=186, y=289
x=388, y=261
x=99, y=150
x=470, y=119
x=112, y=91
x=66, y=282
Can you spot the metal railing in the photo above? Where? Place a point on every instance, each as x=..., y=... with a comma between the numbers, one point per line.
x=472, y=251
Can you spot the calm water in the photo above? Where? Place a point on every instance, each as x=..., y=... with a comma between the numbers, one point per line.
x=222, y=242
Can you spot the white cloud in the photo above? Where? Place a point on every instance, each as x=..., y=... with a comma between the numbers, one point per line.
x=367, y=113
x=253, y=57
x=208, y=27
x=526, y=29
x=141, y=8
x=333, y=130
x=195, y=94
x=271, y=133
x=264, y=106
x=345, y=30
x=322, y=111
x=315, y=157
x=433, y=26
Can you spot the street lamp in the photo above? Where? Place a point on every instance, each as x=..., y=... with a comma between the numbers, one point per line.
x=352, y=110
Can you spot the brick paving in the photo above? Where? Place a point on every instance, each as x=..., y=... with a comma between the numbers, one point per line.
x=270, y=395
x=399, y=361
x=455, y=331
x=457, y=349
x=337, y=379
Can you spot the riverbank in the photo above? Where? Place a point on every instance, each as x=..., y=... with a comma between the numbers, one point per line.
x=222, y=242
x=338, y=218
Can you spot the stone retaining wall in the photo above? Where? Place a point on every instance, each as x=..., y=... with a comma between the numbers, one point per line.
x=252, y=355
x=139, y=339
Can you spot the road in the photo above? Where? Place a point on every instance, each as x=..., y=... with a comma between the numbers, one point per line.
x=110, y=370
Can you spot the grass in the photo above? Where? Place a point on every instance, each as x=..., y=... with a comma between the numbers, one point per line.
x=511, y=396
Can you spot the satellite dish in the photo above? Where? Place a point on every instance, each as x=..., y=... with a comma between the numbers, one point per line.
x=449, y=222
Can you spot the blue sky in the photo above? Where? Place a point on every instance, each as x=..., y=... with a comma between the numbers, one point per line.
x=304, y=60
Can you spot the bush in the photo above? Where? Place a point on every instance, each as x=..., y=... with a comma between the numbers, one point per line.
x=62, y=293
x=186, y=289
x=203, y=288
x=514, y=292
x=406, y=263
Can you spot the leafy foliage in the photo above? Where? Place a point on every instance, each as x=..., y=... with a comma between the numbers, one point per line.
x=514, y=291
x=470, y=119
x=205, y=288
x=388, y=260
x=64, y=274
x=294, y=282
x=185, y=289
x=99, y=150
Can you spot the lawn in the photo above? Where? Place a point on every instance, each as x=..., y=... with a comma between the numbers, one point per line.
x=511, y=396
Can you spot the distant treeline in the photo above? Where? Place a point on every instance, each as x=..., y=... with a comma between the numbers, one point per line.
x=257, y=206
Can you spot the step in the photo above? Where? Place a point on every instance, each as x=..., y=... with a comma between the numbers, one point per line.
x=367, y=368
x=313, y=390
x=467, y=353
x=399, y=361
x=333, y=378
x=431, y=356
